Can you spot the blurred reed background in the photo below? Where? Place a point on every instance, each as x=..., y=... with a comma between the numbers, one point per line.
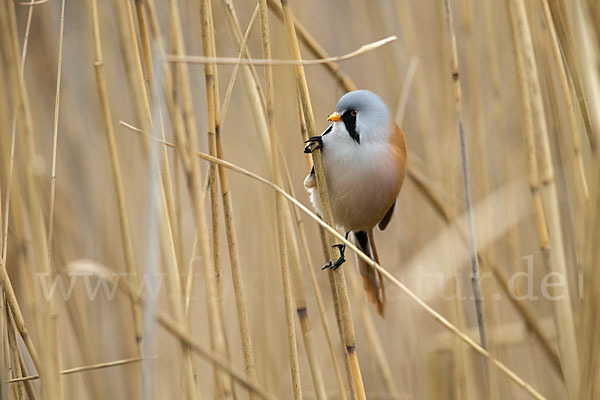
x=86, y=192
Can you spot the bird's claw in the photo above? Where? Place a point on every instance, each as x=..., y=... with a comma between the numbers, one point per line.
x=314, y=143
x=339, y=261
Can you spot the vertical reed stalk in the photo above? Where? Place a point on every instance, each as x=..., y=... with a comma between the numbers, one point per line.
x=50, y=361
x=5, y=282
x=13, y=134
x=234, y=26
x=338, y=317
x=373, y=339
x=13, y=305
x=301, y=307
x=15, y=357
x=567, y=339
x=29, y=388
x=567, y=23
x=482, y=158
x=115, y=165
x=340, y=282
x=144, y=38
x=55, y=132
x=167, y=222
x=215, y=119
x=318, y=297
x=212, y=105
x=566, y=92
x=314, y=47
x=279, y=201
x=297, y=281
x=467, y=188
x=192, y=173
x=587, y=49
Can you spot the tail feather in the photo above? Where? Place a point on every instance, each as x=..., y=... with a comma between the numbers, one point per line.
x=372, y=279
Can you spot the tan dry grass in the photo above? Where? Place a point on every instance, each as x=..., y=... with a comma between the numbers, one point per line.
x=531, y=113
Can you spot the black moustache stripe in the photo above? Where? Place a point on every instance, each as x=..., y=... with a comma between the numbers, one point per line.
x=350, y=123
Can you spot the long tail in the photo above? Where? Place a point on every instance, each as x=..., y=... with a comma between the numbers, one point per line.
x=372, y=279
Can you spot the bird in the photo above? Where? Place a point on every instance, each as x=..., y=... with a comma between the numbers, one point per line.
x=364, y=158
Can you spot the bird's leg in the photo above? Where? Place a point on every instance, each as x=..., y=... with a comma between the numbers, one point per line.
x=312, y=144
x=341, y=259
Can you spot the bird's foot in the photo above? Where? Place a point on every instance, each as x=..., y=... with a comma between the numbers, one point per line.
x=312, y=144
x=339, y=261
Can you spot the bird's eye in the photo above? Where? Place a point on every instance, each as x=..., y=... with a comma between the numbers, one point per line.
x=354, y=113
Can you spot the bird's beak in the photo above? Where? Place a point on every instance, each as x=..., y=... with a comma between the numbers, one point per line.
x=335, y=117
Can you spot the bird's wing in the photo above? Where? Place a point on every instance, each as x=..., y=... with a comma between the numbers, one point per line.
x=310, y=181
x=387, y=217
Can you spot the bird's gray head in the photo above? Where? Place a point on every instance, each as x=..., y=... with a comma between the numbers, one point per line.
x=365, y=116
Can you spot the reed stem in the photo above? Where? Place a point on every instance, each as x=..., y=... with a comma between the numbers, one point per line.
x=476, y=284
x=340, y=282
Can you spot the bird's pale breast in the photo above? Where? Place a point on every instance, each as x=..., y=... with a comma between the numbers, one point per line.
x=363, y=181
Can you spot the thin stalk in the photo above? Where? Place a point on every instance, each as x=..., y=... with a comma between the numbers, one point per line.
x=55, y=132
x=85, y=368
x=566, y=92
x=213, y=133
x=318, y=296
x=234, y=25
x=567, y=339
x=483, y=158
x=13, y=305
x=297, y=281
x=476, y=284
x=5, y=282
x=590, y=345
x=13, y=136
x=254, y=91
x=167, y=221
x=374, y=340
x=15, y=357
x=149, y=68
x=578, y=170
x=568, y=29
x=315, y=48
x=193, y=179
x=29, y=388
x=341, y=292
x=236, y=67
x=215, y=121
x=184, y=59
x=50, y=361
x=173, y=202
x=301, y=307
x=212, y=105
x=115, y=165
x=338, y=318
x=144, y=39
x=168, y=243
x=279, y=203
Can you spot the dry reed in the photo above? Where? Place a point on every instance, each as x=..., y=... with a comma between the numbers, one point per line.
x=529, y=99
